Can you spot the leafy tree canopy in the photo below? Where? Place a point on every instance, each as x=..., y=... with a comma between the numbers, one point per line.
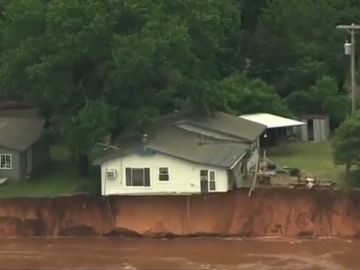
x=87, y=62
x=296, y=42
x=346, y=142
x=322, y=97
x=239, y=95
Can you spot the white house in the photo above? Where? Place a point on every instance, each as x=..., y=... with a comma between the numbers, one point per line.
x=183, y=156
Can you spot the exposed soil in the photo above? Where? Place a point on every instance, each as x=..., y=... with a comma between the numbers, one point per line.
x=278, y=213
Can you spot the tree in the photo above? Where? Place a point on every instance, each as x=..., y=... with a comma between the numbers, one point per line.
x=84, y=130
x=322, y=97
x=346, y=143
x=135, y=59
x=296, y=43
x=239, y=95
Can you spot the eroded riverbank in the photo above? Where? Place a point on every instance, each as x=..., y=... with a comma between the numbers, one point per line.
x=275, y=213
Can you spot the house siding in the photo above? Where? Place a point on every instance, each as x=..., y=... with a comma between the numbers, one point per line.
x=15, y=173
x=19, y=170
x=184, y=175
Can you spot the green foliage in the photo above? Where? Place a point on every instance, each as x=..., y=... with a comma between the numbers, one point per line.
x=346, y=142
x=137, y=59
x=322, y=97
x=239, y=95
x=143, y=58
x=92, y=123
x=296, y=42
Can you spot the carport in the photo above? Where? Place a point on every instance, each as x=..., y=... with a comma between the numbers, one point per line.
x=277, y=127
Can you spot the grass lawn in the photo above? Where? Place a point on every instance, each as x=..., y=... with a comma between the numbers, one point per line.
x=58, y=178
x=313, y=158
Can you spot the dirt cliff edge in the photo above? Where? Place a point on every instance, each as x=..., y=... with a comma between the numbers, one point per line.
x=278, y=213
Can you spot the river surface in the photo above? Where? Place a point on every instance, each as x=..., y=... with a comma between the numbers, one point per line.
x=178, y=254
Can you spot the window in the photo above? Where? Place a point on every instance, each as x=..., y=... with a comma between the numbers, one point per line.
x=5, y=161
x=139, y=177
x=164, y=174
x=207, y=180
x=212, y=184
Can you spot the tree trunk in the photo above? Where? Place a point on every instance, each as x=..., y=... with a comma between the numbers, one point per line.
x=83, y=165
x=347, y=171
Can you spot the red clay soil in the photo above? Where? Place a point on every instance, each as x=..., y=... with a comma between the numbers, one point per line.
x=280, y=213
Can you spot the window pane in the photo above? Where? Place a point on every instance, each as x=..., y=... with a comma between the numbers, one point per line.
x=164, y=177
x=2, y=161
x=128, y=176
x=212, y=176
x=8, y=161
x=147, y=177
x=164, y=170
x=212, y=186
x=203, y=175
x=137, y=177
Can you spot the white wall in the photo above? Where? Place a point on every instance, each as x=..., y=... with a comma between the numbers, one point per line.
x=184, y=175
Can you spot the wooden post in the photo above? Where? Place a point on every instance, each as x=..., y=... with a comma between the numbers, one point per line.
x=252, y=188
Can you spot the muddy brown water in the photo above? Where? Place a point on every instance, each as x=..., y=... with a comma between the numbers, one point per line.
x=178, y=254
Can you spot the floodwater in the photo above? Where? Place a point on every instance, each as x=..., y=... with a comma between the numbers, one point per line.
x=178, y=254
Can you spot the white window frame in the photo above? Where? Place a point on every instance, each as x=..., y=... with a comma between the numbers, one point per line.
x=6, y=167
x=168, y=174
x=209, y=171
x=138, y=187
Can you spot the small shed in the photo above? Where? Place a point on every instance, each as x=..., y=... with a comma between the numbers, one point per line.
x=317, y=128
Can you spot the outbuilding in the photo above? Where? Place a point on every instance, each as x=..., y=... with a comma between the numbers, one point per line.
x=277, y=127
x=317, y=128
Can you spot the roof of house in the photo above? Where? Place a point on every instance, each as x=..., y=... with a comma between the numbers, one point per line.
x=218, y=139
x=271, y=120
x=19, y=133
x=228, y=124
x=184, y=145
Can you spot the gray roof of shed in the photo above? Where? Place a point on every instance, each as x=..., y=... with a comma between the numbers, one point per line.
x=19, y=133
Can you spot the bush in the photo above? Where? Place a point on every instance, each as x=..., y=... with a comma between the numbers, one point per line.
x=294, y=171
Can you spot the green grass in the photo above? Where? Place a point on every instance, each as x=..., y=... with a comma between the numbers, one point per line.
x=59, y=178
x=313, y=158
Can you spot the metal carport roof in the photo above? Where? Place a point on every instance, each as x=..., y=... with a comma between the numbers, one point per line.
x=271, y=120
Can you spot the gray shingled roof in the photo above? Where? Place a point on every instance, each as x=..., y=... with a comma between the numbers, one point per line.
x=229, y=124
x=172, y=140
x=191, y=147
x=184, y=145
x=19, y=133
